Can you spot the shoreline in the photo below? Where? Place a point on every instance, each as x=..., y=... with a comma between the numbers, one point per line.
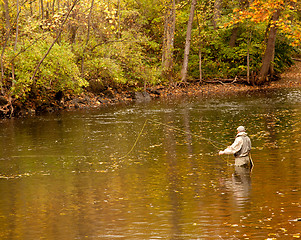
x=89, y=100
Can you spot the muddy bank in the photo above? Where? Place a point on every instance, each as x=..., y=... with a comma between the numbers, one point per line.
x=86, y=100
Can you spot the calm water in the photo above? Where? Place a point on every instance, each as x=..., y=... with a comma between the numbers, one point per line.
x=64, y=176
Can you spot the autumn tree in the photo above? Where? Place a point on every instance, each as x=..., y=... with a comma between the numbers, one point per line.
x=188, y=40
x=277, y=16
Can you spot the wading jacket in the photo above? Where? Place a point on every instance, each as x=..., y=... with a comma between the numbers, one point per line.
x=241, y=146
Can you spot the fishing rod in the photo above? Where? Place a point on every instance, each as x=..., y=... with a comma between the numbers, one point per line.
x=212, y=142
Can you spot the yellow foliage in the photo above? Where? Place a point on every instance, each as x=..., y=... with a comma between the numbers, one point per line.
x=261, y=11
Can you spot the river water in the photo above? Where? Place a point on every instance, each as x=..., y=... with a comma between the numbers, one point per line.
x=78, y=174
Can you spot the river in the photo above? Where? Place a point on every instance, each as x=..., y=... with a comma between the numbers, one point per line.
x=80, y=175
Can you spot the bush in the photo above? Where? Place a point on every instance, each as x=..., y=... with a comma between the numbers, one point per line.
x=58, y=72
x=122, y=61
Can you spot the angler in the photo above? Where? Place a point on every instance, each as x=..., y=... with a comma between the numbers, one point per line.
x=240, y=148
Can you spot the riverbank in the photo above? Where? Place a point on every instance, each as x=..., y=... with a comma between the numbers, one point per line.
x=88, y=100
x=289, y=79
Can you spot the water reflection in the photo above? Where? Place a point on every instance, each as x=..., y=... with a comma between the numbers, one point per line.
x=241, y=184
x=62, y=176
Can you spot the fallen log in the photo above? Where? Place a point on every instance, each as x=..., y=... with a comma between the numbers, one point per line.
x=226, y=81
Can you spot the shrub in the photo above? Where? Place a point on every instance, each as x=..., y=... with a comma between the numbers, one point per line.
x=58, y=72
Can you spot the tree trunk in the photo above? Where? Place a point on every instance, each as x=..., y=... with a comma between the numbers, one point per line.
x=271, y=70
x=269, y=51
x=168, y=40
x=88, y=37
x=248, y=58
x=7, y=35
x=6, y=14
x=200, y=65
x=216, y=12
x=73, y=27
x=200, y=50
x=15, y=45
x=31, y=8
x=42, y=9
x=188, y=40
x=233, y=36
x=48, y=10
x=119, y=19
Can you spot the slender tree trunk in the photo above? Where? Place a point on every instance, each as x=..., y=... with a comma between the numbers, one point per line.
x=200, y=65
x=89, y=22
x=248, y=58
x=233, y=36
x=31, y=9
x=188, y=41
x=7, y=35
x=88, y=37
x=269, y=51
x=17, y=26
x=216, y=12
x=168, y=40
x=200, y=50
x=48, y=10
x=16, y=42
x=42, y=9
x=13, y=66
x=6, y=14
x=119, y=19
x=73, y=27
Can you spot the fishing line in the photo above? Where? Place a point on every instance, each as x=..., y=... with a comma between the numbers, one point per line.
x=135, y=140
x=212, y=142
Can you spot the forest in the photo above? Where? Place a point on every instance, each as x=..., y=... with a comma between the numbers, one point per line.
x=55, y=48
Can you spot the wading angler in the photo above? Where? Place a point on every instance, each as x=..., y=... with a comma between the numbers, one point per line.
x=240, y=148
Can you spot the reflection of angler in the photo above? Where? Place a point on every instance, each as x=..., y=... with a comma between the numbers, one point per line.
x=241, y=177
x=240, y=148
x=241, y=184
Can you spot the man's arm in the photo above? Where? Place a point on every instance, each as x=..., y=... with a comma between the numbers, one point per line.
x=235, y=147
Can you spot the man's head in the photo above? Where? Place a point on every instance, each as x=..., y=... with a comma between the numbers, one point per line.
x=241, y=129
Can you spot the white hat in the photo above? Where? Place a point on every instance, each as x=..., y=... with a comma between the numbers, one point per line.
x=241, y=129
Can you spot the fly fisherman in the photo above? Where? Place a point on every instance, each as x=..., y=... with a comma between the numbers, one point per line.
x=240, y=148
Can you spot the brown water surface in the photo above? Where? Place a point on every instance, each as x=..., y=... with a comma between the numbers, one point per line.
x=63, y=176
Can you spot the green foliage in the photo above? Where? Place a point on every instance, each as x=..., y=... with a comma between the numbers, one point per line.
x=283, y=54
x=121, y=61
x=104, y=69
x=219, y=60
x=58, y=72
